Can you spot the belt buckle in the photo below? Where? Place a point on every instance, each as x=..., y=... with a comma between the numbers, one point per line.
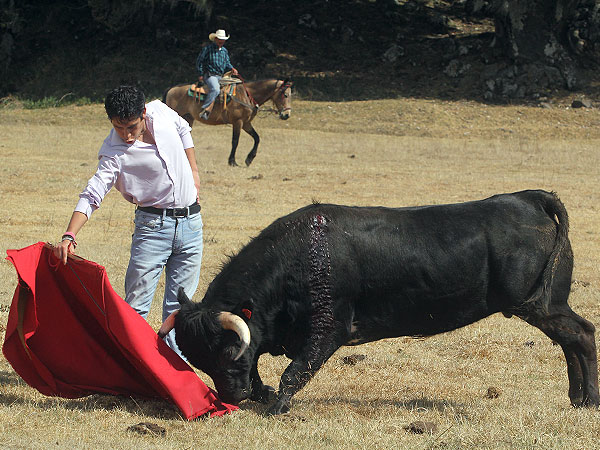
x=181, y=212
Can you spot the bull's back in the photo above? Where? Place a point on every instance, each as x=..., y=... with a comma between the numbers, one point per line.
x=426, y=270
x=401, y=271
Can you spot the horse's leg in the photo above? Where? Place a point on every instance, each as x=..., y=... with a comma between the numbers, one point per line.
x=235, y=139
x=248, y=128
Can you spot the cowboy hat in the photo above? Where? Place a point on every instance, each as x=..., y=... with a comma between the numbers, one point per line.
x=219, y=34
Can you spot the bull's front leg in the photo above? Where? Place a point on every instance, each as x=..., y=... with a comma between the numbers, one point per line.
x=296, y=375
x=261, y=392
x=324, y=335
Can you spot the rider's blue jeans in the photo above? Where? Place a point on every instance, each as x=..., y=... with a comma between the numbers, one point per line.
x=212, y=82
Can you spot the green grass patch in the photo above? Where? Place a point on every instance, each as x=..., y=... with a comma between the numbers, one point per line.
x=53, y=102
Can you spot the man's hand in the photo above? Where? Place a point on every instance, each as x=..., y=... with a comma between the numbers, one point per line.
x=197, y=183
x=67, y=242
x=62, y=249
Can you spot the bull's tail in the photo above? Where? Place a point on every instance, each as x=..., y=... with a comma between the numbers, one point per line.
x=557, y=211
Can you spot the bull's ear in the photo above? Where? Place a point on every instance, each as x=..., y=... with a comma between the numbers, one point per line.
x=182, y=298
x=246, y=309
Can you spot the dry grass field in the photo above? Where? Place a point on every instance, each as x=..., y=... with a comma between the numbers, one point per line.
x=390, y=152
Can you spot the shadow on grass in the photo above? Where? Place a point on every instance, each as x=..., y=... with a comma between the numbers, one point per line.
x=155, y=408
x=10, y=378
x=366, y=407
x=150, y=407
x=162, y=409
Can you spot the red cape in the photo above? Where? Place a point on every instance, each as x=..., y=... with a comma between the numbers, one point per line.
x=70, y=335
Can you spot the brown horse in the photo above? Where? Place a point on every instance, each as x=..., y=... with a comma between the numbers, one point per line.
x=236, y=106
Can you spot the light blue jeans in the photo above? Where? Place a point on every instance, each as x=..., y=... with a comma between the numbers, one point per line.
x=163, y=242
x=212, y=81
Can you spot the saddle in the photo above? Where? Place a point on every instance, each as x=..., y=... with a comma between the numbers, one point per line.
x=198, y=91
x=229, y=79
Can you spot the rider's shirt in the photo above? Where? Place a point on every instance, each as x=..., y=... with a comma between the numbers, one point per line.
x=213, y=60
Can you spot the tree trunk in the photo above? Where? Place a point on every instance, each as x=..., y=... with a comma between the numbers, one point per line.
x=534, y=30
x=544, y=40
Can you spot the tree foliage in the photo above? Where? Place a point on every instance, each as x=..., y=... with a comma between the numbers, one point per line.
x=76, y=38
x=29, y=28
x=117, y=15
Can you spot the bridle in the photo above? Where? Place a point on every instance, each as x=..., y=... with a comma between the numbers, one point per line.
x=285, y=85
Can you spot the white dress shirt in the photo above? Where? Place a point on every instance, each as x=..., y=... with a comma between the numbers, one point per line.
x=145, y=174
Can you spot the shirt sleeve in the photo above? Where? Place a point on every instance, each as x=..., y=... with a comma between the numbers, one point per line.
x=187, y=141
x=228, y=65
x=98, y=186
x=184, y=130
x=200, y=61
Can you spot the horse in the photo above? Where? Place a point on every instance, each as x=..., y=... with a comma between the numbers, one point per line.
x=236, y=105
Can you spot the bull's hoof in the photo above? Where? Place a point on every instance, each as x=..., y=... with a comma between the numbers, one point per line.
x=278, y=408
x=265, y=395
x=587, y=402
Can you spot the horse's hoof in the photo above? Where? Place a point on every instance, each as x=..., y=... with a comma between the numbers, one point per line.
x=233, y=164
x=250, y=157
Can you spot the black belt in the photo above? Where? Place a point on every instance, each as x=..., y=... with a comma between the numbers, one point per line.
x=175, y=212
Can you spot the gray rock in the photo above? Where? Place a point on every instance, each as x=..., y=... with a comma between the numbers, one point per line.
x=581, y=103
x=393, y=53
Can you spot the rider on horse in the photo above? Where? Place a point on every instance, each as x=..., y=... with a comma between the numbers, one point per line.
x=212, y=62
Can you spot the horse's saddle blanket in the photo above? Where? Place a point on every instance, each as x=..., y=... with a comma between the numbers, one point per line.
x=198, y=91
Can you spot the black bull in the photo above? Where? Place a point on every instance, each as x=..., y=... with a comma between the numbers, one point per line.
x=327, y=275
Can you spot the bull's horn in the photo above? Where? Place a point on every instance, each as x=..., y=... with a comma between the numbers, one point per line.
x=167, y=325
x=235, y=323
x=181, y=297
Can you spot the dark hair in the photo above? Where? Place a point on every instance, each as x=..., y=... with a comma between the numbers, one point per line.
x=124, y=103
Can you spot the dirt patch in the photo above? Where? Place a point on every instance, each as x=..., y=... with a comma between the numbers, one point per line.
x=147, y=428
x=421, y=427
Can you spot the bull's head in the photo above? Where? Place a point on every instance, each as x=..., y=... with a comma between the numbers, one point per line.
x=215, y=342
